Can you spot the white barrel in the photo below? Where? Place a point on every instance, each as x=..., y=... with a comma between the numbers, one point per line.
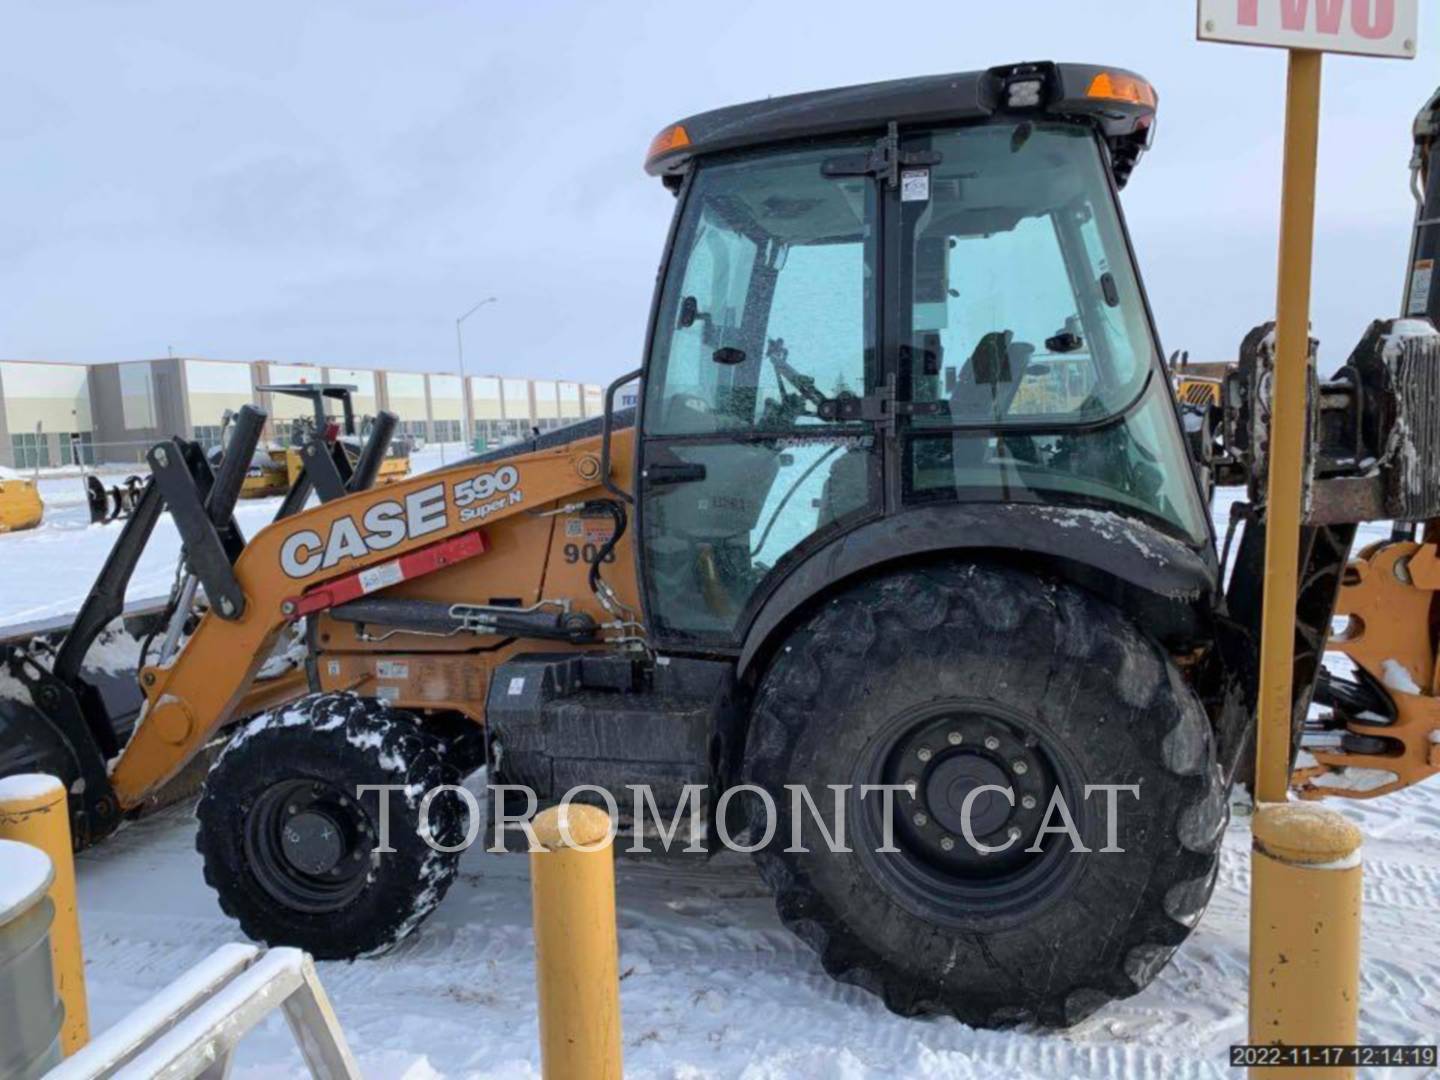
x=30, y=1009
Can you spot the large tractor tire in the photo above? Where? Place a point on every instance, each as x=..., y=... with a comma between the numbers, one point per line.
x=290, y=843
x=946, y=678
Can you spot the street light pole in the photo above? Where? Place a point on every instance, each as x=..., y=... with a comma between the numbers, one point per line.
x=465, y=404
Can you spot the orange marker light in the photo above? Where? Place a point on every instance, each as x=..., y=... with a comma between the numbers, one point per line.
x=1120, y=87
x=671, y=138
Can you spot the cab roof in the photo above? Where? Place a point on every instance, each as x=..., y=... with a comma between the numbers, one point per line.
x=1119, y=103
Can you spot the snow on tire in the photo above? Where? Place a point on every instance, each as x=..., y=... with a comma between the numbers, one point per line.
x=291, y=826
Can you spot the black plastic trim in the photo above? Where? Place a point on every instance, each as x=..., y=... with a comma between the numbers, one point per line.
x=1121, y=549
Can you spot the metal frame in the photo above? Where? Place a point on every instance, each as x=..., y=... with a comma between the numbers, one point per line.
x=192, y=1027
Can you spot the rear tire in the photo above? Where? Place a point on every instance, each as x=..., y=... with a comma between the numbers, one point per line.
x=289, y=844
x=948, y=676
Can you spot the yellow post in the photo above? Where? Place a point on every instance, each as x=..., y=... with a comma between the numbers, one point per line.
x=577, y=969
x=1305, y=885
x=33, y=810
x=1287, y=428
x=1304, y=931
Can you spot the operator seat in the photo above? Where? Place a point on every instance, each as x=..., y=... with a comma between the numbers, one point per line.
x=985, y=390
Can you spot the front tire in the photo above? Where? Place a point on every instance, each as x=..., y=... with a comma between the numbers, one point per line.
x=290, y=843
x=947, y=678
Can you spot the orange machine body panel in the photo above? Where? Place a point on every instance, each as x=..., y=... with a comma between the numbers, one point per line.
x=532, y=554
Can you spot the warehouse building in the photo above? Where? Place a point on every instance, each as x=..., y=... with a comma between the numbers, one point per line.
x=45, y=416
x=57, y=413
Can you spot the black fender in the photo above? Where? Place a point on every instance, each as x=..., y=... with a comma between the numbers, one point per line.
x=1170, y=587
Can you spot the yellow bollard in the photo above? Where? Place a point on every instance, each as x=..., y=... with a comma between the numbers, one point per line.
x=1304, y=931
x=33, y=810
x=577, y=968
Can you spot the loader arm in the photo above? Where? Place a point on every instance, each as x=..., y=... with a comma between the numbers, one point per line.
x=381, y=531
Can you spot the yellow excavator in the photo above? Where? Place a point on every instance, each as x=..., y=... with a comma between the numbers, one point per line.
x=905, y=505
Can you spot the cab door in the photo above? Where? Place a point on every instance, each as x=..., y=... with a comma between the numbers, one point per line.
x=764, y=349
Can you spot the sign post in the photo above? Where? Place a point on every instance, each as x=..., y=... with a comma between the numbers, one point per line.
x=1309, y=998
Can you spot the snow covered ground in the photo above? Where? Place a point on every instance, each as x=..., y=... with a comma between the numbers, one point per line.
x=712, y=985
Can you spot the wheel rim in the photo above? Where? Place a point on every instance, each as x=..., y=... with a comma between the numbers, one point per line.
x=940, y=754
x=309, y=845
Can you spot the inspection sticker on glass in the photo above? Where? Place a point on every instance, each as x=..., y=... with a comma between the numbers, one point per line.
x=1420, y=283
x=915, y=185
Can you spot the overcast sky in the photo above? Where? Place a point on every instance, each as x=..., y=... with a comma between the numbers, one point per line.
x=336, y=180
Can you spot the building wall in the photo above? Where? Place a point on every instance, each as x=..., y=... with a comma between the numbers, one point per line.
x=571, y=402
x=135, y=404
x=124, y=408
x=447, y=408
x=547, y=404
x=211, y=388
x=485, y=398
x=367, y=395
x=517, y=401
x=57, y=397
x=405, y=396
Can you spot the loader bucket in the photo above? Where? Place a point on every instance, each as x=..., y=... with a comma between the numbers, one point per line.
x=39, y=731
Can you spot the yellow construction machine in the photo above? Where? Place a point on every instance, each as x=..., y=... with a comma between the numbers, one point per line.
x=905, y=505
x=276, y=470
x=20, y=504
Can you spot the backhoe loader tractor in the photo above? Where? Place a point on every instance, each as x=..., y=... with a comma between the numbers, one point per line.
x=905, y=507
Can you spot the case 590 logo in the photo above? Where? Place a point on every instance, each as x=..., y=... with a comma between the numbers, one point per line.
x=385, y=524
x=488, y=493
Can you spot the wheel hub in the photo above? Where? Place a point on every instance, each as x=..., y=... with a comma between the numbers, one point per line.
x=308, y=844
x=950, y=756
x=957, y=778
x=313, y=842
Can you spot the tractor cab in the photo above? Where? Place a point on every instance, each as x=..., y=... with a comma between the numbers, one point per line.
x=880, y=299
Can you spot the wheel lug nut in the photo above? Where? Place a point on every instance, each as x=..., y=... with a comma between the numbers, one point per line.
x=955, y=738
x=992, y=743
x=924, y=753
x=921, y=819
x=1021, y=768
x=292, y=809
x=1028, y=802
x=1013, y=832
x=912, y=786
x=946, y=844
